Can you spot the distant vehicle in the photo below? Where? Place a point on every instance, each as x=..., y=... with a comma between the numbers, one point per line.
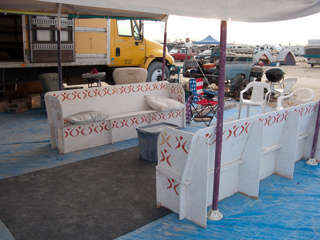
x=180, y=54
x=312, y=52
x=240, y=48
x=238, y=67
x=297, y=50
x=209, y=54
x=273, y=49
x=206, y=54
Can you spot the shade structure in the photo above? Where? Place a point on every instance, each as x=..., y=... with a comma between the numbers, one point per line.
x=235, y=10
x=207, y=40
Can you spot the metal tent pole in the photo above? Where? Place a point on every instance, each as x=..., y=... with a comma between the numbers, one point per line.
x=214, y=213
x=59, y=47
x=164, y=48
x=312, y=160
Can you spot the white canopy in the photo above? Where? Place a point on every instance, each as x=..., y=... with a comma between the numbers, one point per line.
x=235, y=10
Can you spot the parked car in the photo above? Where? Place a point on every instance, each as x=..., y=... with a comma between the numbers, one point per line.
x=180, y=54
x=212, y=55
x=205, y=55
x=238, y=67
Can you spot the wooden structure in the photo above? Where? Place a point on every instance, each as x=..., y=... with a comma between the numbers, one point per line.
x=252, y=149
x=125, y=106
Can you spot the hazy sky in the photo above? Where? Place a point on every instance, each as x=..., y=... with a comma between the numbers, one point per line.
x=296, y=31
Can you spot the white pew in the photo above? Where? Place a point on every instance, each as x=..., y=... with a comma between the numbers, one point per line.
x=125, y=106
x=252, y=149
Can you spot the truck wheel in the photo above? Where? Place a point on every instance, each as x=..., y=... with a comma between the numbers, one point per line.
x=312, y=65
x=235, y=82
x=155, y=72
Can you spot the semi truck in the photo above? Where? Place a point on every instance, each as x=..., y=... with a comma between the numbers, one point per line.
x=28, y=48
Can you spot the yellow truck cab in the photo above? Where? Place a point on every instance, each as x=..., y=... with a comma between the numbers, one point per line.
x=28, y=47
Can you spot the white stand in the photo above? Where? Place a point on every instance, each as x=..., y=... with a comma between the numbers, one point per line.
x=312, y=161
x=214, y=215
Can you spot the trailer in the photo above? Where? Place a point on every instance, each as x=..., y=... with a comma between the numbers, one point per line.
x=312, y=52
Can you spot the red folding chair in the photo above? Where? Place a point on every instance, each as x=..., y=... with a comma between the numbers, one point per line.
x=202, y=108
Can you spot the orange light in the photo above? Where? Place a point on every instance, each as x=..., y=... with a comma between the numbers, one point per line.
x=151, y=56
x=22, y=65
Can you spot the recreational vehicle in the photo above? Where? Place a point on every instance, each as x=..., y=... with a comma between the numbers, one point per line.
x=273, y=49
x=312, y=52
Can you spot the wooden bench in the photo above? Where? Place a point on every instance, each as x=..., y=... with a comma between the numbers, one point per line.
x=125, y=106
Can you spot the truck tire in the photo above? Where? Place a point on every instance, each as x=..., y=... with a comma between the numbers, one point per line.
x=155, y=72
x=312, y=65
x=235, y=82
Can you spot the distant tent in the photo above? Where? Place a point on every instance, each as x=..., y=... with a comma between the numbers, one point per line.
x=264, y=57
x=286, y=57
x=207, y=40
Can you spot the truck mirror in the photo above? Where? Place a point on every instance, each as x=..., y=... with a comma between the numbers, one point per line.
x=137, y=29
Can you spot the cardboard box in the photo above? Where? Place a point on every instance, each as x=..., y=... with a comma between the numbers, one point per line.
x=3, y=104
x=17, y=107
x=35, y=101
x=16, y=96
x=17, y=101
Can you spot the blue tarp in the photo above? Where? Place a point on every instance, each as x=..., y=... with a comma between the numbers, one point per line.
x=207, y=40
x=285, y=209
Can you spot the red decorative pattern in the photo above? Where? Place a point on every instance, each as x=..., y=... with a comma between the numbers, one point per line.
x=165, y=139
x=101, y=92
x=181, y=144
x=270, y=120
x=237, y=130
x=164, y=157
x=172, y=185
x=165, y=115
x=85, y=130
x=177, y=92
x=56, y=110
x=306, y=110
x=129, y=122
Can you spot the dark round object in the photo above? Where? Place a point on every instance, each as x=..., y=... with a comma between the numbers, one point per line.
x=274, y=74
x=256, y=72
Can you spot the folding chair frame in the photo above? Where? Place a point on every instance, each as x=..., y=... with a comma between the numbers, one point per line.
x=203, y=109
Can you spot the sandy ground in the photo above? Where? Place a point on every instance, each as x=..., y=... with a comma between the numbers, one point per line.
x=307, y=76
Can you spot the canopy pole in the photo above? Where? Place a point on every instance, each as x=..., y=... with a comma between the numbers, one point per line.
x=312, y=160
x=214, y=213
x=59, y=47
x=164, y=48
